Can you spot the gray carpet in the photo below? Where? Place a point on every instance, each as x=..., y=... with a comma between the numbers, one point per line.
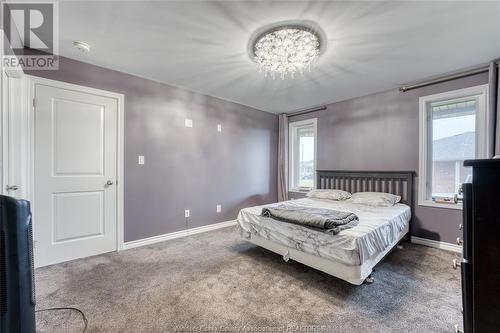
x=217, y=281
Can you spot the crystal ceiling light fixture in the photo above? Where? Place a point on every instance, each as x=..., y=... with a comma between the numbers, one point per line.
x=286, y=50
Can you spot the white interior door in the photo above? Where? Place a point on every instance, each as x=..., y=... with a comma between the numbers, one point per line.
x=75, y=174
x=15, y=135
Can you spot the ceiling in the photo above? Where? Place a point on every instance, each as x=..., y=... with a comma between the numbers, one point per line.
x=202, y=45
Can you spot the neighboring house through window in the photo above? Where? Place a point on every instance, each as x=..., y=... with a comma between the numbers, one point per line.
x=302, y=154
x=453, y=128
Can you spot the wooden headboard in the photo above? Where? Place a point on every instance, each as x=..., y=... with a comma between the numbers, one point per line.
x=395, y=182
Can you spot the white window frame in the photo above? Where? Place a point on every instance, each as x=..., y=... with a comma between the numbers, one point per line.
x=483, y=140
x=292, y=127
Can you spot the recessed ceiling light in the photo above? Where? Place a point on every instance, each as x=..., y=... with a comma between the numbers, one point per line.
x=82, y=46
x=286, y=50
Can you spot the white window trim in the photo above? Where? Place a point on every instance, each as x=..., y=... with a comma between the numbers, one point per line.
x=291, y=149
x=483, y=142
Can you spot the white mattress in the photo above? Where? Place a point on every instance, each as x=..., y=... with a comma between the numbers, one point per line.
x=378, y=228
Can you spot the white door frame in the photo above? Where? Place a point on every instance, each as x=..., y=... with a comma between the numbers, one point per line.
x=32, y=81
x=10, y=96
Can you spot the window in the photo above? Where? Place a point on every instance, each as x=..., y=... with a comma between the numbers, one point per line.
x=453, y=128
x=302, y=154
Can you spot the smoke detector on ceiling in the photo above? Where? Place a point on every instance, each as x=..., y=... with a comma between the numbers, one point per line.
x=81, y=46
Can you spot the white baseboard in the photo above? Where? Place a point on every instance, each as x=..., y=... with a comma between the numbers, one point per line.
x=436, y=244
x=177, y=234
x=210, y=227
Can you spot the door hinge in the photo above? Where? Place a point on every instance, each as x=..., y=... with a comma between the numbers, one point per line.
x=34, y=102
x=9, y=188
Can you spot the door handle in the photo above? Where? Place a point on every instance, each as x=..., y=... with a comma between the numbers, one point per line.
x=9, y=188
x=109, y=183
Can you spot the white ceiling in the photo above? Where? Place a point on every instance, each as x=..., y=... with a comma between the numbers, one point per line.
x=202, y=45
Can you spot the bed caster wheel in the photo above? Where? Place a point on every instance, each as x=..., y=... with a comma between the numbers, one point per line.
x=370, y=280
x=286, y=256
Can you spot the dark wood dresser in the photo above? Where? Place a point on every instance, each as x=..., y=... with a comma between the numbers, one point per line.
x=481, y=248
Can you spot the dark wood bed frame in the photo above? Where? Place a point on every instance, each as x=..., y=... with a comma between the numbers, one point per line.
x=394, y=182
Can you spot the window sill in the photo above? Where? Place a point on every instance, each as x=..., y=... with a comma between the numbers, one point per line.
x=458, y=206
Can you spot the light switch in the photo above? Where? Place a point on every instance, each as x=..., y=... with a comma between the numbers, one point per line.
x=219, y=128
x=188, y=122
x=219, y=208
x=187, y=213
x=140, y=160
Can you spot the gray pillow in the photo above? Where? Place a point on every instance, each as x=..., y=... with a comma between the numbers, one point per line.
x=337, y=195
x=377, y=199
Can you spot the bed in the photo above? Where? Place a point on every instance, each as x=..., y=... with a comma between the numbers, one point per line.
x=352, y=254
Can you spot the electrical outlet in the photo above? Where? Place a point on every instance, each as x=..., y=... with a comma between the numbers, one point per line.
x=188, y=122
x=219, y=208
x=140, y=160
x=219, y=127
x=187, y=213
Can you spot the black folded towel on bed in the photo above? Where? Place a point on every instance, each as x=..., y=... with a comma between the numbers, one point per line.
x=328, y=219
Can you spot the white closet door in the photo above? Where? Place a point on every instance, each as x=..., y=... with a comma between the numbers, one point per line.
x=75, y=174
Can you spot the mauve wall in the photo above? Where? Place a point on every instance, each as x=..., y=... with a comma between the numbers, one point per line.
x=380, y=132
x=186, y=168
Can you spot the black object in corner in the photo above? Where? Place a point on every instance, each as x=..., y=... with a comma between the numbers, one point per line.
x=481, y=248
x=17, y=289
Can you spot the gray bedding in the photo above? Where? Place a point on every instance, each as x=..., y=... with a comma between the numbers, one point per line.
x=330, y=220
